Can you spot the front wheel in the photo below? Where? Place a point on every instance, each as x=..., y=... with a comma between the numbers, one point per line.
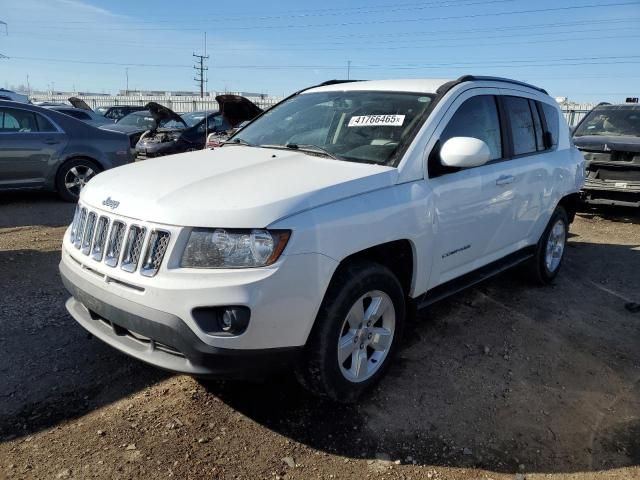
x=356, y=332
x=544, y=266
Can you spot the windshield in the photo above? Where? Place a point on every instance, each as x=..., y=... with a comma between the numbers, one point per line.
x=358, y=126
x=620, y=121
x=102, y=110
x=193, y=118
x=138, y=119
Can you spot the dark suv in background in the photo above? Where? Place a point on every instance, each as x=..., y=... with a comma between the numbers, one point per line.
x=609, y=138
x=44, y=149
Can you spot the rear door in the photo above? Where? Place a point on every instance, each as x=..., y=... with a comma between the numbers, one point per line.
x=527, y=176
x=29, y=146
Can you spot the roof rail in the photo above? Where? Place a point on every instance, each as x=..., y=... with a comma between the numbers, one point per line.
x=471, y=78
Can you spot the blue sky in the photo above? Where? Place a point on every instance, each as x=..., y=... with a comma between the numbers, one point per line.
x=584, y=49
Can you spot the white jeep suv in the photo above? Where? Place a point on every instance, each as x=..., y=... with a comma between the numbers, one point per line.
x=307, y=237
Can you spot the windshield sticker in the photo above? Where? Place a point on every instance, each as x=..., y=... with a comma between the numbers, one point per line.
x=377, y=120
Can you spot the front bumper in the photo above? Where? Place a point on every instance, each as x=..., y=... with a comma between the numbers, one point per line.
x=621, y=193
x=160, y=338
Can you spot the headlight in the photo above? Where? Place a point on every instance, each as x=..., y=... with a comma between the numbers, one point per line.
x=219, y=248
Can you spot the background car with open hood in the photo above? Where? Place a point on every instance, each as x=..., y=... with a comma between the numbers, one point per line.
x=189, y=132
x=609, y=138
x=80, y=110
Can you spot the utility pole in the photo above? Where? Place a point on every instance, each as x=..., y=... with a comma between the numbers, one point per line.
x=126, y=72
x=200, y=68
x=348, y=69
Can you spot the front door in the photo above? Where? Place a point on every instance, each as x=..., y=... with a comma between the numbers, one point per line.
x=470, y=204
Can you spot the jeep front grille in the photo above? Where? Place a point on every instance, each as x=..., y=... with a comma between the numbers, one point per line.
x=118, y=242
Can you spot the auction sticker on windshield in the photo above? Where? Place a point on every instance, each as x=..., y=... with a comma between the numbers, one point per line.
x=377, y=120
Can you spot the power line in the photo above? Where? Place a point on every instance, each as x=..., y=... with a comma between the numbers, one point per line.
x=314, y=13
x=374, y=22
x=498, y=63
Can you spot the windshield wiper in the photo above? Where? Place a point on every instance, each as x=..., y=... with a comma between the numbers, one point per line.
x=238, y=141
x=312, y=148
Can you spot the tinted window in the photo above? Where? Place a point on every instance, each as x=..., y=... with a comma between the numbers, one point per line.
x=537, y=125
x=13, y=120
x=521, y=121
x=477, y=118
x=553, y=122
x=44, y=125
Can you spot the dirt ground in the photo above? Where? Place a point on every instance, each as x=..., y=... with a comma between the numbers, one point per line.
x=503, y=381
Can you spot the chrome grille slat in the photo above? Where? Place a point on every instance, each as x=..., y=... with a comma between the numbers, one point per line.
x=89, y=230
x=133, y=248
x=102, y=228
x=81, y=221
x=74, y=224
x=114, y=241
x=114, y=246
x=156, y=248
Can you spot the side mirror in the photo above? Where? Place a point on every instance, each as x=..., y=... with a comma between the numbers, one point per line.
x=464, y=152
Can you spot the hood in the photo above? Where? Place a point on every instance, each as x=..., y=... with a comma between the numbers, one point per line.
x=601, y=143
x=231, y=187
x=160, y=113
x=79, y=103
x=117, y=127
x=237, y=109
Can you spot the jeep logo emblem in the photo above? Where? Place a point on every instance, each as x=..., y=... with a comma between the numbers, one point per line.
x=112, y=204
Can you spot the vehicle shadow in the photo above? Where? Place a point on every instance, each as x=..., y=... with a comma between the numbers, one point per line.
x=29, y=208
x=50, y=372
x=506, y=376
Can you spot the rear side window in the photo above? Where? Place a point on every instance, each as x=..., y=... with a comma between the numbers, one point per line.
x=477, y=117
x=537, y=124
x=44, y=125
x=552, y=120
x=522, y=125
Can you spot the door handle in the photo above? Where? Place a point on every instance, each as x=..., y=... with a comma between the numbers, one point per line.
x=51, y=141
x=505, y=179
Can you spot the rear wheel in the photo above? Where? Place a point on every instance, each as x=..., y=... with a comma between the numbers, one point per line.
x=73, y=175
x=544, y=266
x=356, y=332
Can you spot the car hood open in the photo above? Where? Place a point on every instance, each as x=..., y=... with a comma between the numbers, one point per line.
x=79, y=103
x=237, y=109
x=231, y=187
x=160, y=114
x=602, y=143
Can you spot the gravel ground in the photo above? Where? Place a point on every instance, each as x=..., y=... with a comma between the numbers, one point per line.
x=503, y=381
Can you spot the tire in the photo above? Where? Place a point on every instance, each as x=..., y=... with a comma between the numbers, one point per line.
x=543, y=268
x=73, y=175
x=356, y=287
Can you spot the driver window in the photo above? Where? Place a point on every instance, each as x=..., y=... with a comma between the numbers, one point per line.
x=477, y=117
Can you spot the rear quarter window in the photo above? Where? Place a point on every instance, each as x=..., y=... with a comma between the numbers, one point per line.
x=551, y=117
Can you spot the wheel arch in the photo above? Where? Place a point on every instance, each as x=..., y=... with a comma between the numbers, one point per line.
x=397, y=255
x=570, y=204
